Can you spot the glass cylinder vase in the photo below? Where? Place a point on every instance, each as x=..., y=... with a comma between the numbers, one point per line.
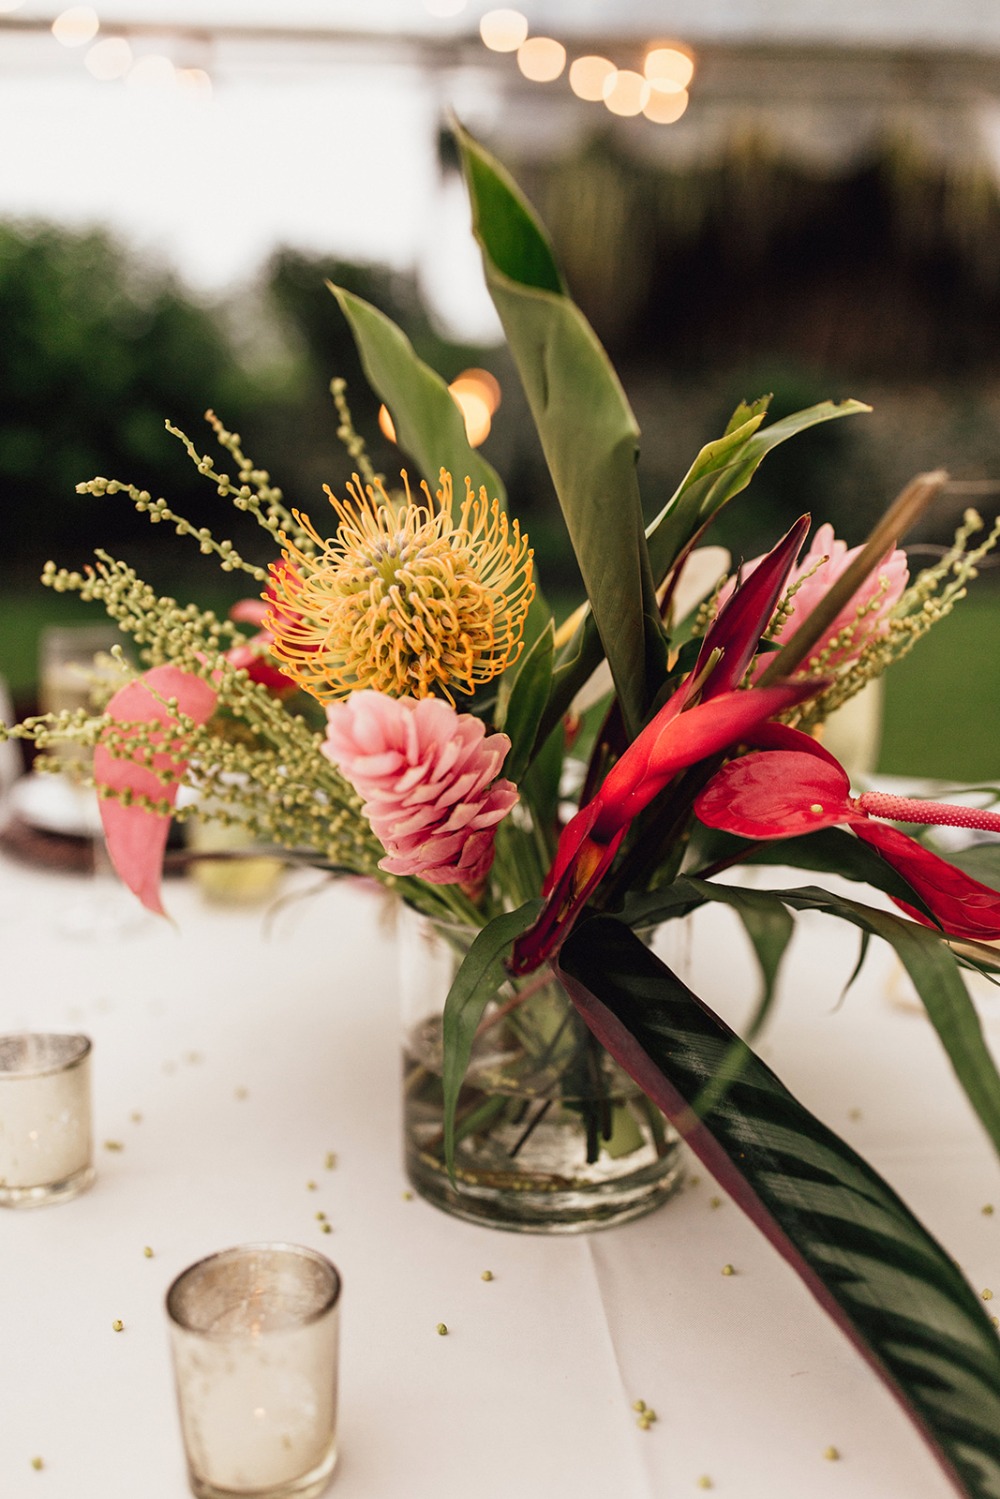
x=552, y=1136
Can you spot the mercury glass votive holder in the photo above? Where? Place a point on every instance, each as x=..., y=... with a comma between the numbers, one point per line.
x=46, y=1141
x=254, y=1336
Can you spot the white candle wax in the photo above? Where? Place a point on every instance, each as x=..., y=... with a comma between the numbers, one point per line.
x=45, y=1128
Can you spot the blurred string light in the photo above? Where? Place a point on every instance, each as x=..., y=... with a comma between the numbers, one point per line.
x=476, y=393
x=152, y=72
x=664, y=109
x=626, y=92
x=7, y=7
x=588, y=75
x=76, y=26
x=109, y=59
x=669, y=69
x=541, y=59
x=503, y=30
x=195, y=82
x=659, y=92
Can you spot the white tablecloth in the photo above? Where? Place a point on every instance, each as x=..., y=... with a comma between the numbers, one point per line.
x=234, y=1049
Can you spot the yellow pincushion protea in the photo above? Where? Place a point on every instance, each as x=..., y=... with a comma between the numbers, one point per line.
x=409, y=599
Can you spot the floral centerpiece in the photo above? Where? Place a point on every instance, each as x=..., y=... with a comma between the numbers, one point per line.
x=406, y=709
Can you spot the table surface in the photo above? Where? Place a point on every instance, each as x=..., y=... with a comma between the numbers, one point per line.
x=236, y=1047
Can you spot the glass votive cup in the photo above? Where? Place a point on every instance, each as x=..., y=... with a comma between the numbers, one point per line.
x=254, y=1336
x=46, y=1143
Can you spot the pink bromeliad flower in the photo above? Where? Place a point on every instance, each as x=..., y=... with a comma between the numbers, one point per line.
x=876, y=596
x=428, y=776
x=793, y=786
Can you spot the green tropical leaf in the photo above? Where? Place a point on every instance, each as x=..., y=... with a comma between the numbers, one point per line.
x=722, y=469
x=936, y=977
x=857, y=1247
x=827, y=851
x=587, y=429
x=476, y=983
x=521, y=705
x=429, y=425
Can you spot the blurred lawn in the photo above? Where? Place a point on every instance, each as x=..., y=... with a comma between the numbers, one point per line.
x=942, y=704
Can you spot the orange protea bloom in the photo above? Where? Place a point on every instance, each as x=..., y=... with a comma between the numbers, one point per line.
x=410, y=599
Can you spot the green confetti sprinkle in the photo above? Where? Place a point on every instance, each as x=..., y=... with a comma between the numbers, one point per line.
x=486, y=1275
x=442, y=1330
x=832, y=1455
x=118, y=1324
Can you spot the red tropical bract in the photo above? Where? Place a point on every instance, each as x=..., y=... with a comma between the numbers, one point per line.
x=798, y=787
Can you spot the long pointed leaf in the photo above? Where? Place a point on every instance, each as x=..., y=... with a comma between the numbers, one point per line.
x=587, y=429
x=476, y=983
x=428, y=423
x=857, y=1247
x=721, y=470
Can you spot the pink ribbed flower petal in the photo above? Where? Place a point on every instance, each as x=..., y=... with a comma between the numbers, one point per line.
x=428, y=778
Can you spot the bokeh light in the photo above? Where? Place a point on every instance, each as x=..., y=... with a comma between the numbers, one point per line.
x=153, y=72
x=194, y=81
x=541, y=58
x=626, y=92
x=7, y=7
x=664, y=109
x=668, y=69
x=109, y=59
x=480, y=383
x=76, y=26
x=503, y=30
x=475, y=392
x=588, y=76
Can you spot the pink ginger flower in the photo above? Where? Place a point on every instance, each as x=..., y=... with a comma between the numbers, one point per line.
x=428, y=778
x=876, y=596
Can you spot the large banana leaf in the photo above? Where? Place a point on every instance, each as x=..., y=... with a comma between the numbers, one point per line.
x=870, y=1264
x=587, y=429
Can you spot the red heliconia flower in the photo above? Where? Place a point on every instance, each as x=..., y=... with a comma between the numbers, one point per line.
x=136, y=837
x=795, y=786
x=675, y=739
x=682, y=733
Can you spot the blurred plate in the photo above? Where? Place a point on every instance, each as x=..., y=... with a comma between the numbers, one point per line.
x=55, y=805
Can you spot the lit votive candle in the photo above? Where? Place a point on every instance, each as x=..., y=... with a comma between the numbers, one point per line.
x=254, y=1333
x=46, y=1145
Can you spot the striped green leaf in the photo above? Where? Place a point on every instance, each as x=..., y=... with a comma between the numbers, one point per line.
x=857, y=1247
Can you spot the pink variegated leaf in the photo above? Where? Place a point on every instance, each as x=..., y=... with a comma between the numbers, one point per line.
x=136, y=837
